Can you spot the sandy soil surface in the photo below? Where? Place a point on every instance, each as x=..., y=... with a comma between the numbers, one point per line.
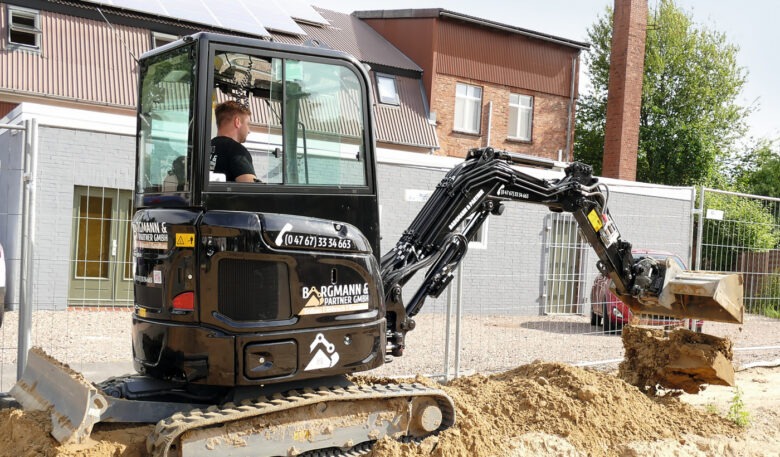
x=548, y=409
x=539, y=409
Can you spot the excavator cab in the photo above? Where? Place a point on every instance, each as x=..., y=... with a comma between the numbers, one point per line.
x=253, y=283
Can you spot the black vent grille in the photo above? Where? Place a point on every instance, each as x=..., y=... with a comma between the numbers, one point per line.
x=251, y=290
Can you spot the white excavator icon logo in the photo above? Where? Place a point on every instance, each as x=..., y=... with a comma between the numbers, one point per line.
x=326, y=358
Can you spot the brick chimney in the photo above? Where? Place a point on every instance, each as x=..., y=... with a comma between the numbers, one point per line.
x=624, y=99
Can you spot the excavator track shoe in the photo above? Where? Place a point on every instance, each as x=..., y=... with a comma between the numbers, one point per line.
x=327, y=421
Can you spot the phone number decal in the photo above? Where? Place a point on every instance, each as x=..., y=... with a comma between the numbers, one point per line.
x=315, y=241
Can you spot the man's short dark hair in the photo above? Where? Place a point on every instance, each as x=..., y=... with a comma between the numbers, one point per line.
x=226, y=111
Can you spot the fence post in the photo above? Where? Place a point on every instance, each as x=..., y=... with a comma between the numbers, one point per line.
x=458, y=318
x=447, y=327
x=700, y=230
x=26, y=273
x=692, y=230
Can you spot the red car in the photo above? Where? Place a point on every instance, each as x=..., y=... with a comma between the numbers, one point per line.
x=611, y=313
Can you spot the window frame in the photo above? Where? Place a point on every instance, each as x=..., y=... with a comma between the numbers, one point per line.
x=35, y=30
x=466, y=98
x=480, y=240
x=513, y=135
x=396, y=100
x=162, y=36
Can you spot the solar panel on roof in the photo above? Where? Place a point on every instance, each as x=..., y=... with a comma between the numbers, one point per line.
x=247, y=16
x=302, y=10
x=189, y=10
x=238, y=18
x=234, y=16
x=143, y=6
x=272, y=15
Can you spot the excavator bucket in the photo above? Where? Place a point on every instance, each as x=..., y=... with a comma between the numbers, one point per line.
x=686, y=294
x=48, y=385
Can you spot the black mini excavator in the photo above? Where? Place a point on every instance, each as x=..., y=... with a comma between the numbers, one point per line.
x=254, y=300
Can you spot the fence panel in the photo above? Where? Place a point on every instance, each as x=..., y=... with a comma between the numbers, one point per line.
x=741, y=233
x=526, y=291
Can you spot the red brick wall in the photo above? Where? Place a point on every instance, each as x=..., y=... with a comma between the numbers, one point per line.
x=621, y=136
x=6, y=107
x=549, y=120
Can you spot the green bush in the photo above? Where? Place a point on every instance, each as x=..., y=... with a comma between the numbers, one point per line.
x=747, y=226
x=737, y=412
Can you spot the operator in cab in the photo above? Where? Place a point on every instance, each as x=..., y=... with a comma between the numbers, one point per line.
x=233, y=159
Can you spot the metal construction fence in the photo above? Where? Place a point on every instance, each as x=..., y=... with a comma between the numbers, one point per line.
x=457, y=334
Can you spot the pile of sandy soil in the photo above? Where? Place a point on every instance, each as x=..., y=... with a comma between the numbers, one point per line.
x=27, y=434
x=538, y=409
x=555, y=409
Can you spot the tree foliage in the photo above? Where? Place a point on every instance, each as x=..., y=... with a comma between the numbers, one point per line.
x=747, y=226
x=757, y=171
x=689, y=115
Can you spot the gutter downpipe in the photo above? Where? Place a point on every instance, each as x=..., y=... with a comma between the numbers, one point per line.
x=490, y=123
x=570, y=111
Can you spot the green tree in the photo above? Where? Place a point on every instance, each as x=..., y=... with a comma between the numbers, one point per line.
x=758, y=170
x=689, y=116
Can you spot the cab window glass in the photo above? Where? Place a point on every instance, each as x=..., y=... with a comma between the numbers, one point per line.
x=164, y=156
x=306, y=120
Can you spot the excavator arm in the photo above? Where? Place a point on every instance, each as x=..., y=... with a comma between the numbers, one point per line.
x=437, y=240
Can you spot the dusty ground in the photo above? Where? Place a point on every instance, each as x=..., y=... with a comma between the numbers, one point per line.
x=540, y=409
x=489, y=343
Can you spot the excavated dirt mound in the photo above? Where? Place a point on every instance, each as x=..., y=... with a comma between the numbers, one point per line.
x=596, y=413
x=535, y=410
x=27, y=434
x=683, y=360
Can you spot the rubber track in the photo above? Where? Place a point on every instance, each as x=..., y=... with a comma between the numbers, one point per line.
x=168, y=430
x=357, y=451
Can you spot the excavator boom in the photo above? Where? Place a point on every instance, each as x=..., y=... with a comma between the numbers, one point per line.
x=438, y=240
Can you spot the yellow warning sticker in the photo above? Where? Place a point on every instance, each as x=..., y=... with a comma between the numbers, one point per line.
x=593, y=217
x=142, y=312
x=185, y=240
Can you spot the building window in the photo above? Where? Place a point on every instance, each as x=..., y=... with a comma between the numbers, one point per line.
x=387, y=89
x=468, y=108
x=24, y=27
x=480, y=238
x=161, y=39
x=521, y=115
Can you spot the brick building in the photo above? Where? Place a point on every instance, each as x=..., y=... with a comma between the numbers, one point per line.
x=489, y=83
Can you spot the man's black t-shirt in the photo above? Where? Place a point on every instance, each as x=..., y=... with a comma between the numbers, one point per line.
x=233, y=159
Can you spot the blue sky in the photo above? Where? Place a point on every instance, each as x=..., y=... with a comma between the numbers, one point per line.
x=747, y=24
